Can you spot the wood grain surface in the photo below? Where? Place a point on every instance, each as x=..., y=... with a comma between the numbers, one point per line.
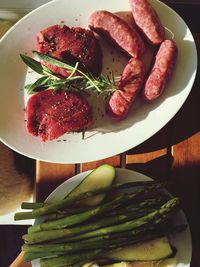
x=171, y=154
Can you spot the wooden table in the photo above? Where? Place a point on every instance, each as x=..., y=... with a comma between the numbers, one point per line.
x=171, y=154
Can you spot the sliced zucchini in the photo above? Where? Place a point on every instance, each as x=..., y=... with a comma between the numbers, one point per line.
x=156, y=249
x=90, y=264
x=171, y=262
x=101, y=177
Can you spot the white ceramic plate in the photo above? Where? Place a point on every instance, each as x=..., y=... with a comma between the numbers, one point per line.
x=107, y=138
x=182, y=241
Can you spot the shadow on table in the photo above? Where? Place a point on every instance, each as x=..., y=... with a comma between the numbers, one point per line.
x=184, y=125
x=184, y=182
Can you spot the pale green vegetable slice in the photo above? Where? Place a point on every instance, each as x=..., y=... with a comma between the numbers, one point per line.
x=171, y=262
x=156, y=249
x=101, y=177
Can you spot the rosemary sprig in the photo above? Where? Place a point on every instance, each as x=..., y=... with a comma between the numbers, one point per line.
x=77, y=80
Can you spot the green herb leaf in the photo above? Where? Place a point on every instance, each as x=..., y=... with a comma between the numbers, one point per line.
x=41, y=82
x=67, y=66
x=46, y=70
x=33, y=64
x=84, y=81
x=53, y=61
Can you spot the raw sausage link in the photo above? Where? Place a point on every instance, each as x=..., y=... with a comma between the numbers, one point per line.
x=161, y=71
x=147, y=20
x=118, y=32
x=128, y=88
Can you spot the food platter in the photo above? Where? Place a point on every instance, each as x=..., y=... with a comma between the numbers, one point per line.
x=182, y=240
x=144, y=119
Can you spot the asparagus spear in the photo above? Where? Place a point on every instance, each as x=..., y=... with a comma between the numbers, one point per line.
x=42, y=236
x=130, y=211
x=49, y=208
x=28, y=215
x=114, y=187
x=145, y=203
x=40, y=251
x=126, y=226
x=108, y=241
x=147, y=232
x=84, y=216
x=36, y=205
x=68, y=260
x=48, y=235
x=71, y=220
x=46, y=217
x=30, y=256
x=168, y=207
x=32, y=205
x=92, y=243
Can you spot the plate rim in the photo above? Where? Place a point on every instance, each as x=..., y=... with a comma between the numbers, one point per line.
x=119, y=176
x=117, y=150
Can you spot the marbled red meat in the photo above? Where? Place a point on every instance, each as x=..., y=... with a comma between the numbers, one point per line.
x=70, y=45
x=51, y=114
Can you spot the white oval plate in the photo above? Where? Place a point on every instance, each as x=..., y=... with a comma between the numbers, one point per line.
x=182, y=241
x=106, y=138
